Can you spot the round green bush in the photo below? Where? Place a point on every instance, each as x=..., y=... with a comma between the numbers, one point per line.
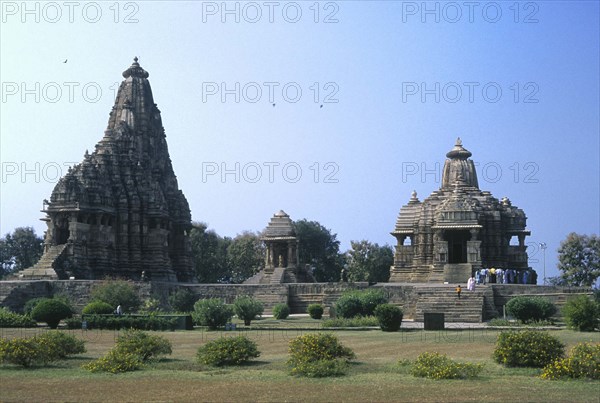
x=211, y=312
x=389, y=317
x=31, y=303
x=247, y=309
x=530, y=309
x=98, y=308
x=355, y=303
x=183, y=300
x=281, y=311
x=118, y=292
x=318, y=355
x=528, y=348
x=582, y=313
x=51, y=311
x=315, y=311
x=60, y=345
x=348, y=306
x=227, y=351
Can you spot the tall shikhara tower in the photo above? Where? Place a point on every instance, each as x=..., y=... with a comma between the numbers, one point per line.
x=120, y=211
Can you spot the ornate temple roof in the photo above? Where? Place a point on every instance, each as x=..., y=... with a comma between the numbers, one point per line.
x=459, y=168
x=280, y=227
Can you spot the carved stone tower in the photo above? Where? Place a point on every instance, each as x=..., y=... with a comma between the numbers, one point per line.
x=120, y=211
x=458, y=229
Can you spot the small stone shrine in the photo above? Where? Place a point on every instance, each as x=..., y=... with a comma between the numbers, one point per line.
x=120, y=212
x=281, y=257
x=458, y=229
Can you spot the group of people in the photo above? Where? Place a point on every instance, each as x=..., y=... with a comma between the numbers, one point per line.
x=504, y=276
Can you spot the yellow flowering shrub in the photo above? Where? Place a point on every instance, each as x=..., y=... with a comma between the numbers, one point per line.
x=528, y=348
x=440, y=366
x=227, y=351
x=583, y=362
x=115, y=361
x=318, y=355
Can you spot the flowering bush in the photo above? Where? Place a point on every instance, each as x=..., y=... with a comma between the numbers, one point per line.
x=142, y=344
x=528, y=348
x=281, y=311
x=439, y=366
x=59, y=345
x=115, y=361
x=227, y=351
x=584, y=362
x=315, y=311
x=39, y=350
x=318, y=355
x=359, y=321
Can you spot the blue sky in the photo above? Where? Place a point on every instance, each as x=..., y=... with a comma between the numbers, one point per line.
x=397, y=81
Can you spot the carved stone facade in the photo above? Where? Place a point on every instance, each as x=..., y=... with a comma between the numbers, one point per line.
x=458, y=229
x=120, y=212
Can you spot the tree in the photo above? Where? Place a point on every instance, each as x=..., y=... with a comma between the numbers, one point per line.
x=369, y=262
x=319, y=248
x=245, y=254
x=20, y=250
x=209, y=251
x=579, y=259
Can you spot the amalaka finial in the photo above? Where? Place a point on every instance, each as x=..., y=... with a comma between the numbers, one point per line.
x=135, y=70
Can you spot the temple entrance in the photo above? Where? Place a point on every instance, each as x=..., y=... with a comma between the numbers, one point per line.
x=457, y=246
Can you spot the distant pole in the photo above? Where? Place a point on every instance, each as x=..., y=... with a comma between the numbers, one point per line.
x=543, y=246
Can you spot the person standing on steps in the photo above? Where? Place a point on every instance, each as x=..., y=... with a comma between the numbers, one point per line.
x=458, y=291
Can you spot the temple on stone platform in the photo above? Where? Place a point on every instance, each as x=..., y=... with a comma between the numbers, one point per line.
x=281, y=258
x=120, y=211
x=458, y=229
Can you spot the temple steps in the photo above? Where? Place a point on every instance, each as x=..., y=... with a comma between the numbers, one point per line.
x=45, y=268
x=469, y=308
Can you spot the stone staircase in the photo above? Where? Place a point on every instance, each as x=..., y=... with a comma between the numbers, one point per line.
x=443, y=299
x=45, y=268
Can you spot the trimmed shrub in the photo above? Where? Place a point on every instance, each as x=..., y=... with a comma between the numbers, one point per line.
x=115, y=361
x=584, y=362
x=144, y=345
x=212, y=312
x=124, y=322
x=359, y=321
x=98, y=307
x=227, y=351
x=281, y=311
x=439, y=366
x=389, y=317
x=31, y=303
x=11, y=319
x=183, y=300
x=51, y=311
x=247, y=309
x=59, y=344
x=355, y=303
x=318, y=355
x=315, y=311
x=530, y=309
x=528, y=348
x=582, y=313
x=118, y=292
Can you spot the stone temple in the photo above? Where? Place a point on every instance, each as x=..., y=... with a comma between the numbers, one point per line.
x=120, y=212
x=458, y=229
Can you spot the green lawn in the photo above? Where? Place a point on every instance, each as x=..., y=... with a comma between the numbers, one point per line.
x=375, y=376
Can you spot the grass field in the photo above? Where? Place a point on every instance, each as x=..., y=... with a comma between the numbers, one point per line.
x=375, y=376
